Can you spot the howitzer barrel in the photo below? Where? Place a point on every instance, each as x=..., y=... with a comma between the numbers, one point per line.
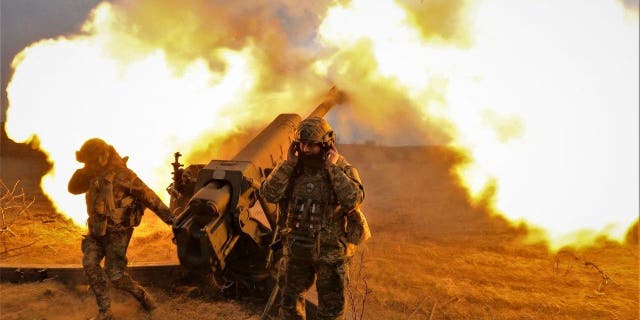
x=271, y=144
x=333, y=98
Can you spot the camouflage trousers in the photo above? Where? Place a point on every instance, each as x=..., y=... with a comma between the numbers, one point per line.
x=296, y=279
x=113, y=248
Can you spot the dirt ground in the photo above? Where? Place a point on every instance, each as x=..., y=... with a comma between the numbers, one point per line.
x=432, y=255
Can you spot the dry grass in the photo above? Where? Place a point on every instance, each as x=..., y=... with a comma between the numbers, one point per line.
x=468, y=282
x=53, y=301
x=432, y=256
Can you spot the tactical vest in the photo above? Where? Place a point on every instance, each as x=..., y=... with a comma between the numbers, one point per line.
x=311, y=205
x=109, y=205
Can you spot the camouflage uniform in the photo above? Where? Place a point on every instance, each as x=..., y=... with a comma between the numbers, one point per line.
x=314, y=204
x=116, y=199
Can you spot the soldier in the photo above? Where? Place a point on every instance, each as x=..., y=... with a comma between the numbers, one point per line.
x=116, y=199
x=316, y=189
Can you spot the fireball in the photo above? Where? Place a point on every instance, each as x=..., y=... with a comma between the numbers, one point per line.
x=541, y=95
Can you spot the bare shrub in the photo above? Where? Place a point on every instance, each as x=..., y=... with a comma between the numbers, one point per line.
x=357, y=287
x=573, y=260
x=13, y=204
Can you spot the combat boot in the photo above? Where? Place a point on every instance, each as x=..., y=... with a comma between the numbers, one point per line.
x=136, y=290
x=146, y=300
x=104, y=315
x=104, y=308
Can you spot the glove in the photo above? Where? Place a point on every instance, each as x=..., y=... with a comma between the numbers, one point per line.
x=292, y=155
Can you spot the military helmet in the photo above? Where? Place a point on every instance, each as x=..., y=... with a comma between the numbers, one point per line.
x=315, y=129
x=91, y=149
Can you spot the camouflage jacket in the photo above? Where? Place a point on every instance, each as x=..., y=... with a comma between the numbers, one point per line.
x=336, y=190
x=116, y=197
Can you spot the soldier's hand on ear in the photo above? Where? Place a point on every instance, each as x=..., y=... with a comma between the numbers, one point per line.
x=292, y=155
x=332, y=156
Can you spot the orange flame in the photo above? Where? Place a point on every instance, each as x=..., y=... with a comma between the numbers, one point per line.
x=542, y=94
x=548, y=111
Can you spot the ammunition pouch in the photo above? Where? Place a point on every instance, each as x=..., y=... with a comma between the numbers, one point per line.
x=129, y=214
x=100, y=204
x=298, y=248
x=357, y=227
x=97, y=224
x=305, y=216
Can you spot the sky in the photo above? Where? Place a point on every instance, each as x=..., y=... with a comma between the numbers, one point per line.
x=23, y=22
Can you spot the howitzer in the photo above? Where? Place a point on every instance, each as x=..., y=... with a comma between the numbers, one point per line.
x=220, y=230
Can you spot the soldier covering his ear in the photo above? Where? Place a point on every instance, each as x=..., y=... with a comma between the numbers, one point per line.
x=116, y=199
x=317, y=190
